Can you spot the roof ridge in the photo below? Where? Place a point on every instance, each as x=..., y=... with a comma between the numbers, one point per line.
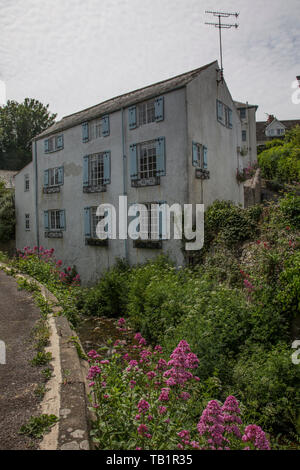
x=191, y=72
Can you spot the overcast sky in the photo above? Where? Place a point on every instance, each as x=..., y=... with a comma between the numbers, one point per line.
x=73, y=54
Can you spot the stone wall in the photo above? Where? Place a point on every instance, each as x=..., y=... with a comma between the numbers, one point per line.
x=252, y=190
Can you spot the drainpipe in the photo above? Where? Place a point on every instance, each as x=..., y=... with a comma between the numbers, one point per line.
x=36, y=197
x=124, y=180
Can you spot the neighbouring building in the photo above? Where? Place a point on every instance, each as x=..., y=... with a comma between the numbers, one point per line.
x=8, y=177
x=273, y=129
x=247, y=114
x=177, y=141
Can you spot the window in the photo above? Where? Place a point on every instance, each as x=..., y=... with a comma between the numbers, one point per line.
x=96, y=170
x=91, y=221
x=147, y=159
x=224, y=114
x=244, y=136
x=54, y=143
x=199, y=156
x=26, y=183
x=146, y=112
x=54, y=220
x=27, y=221
x=95, y=129
x=243, y=113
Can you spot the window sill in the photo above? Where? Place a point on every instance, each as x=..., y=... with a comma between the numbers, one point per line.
x=202, y=174
x=94, y=189
x=52, y=189
x=152, y=244
x=54, y=234
x=53, y=151
x=96, y=242
x=140, y=183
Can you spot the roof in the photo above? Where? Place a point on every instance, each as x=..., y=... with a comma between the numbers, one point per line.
x=262, y=125
x=239, y=104
x=123, y=101
x=8, y=177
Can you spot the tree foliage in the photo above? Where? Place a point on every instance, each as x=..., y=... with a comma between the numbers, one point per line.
x=19, y=124
x=280, y=160
x=7, y=213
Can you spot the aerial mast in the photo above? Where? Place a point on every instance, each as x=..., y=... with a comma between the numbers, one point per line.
x=220, y=25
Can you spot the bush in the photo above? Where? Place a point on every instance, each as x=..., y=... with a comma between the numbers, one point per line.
x=290, y=208
x=109, y=296
x=266, y=383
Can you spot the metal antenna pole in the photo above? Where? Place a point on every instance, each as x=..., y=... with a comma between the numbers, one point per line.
x=221, y=14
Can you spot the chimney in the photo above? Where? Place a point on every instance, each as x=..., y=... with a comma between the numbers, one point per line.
x=270, y=118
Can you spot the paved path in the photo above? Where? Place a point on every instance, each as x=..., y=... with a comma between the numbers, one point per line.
x=18, y=378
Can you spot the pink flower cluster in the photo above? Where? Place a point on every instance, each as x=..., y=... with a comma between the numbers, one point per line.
x=256, y=435
x=181, y=359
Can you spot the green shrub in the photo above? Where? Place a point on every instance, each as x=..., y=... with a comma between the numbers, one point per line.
x=109, y=296
x=290, y=208
x=266, y=382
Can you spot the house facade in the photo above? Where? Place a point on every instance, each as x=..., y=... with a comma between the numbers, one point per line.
x=248, y=149
x=273, y=129
x=177, y=141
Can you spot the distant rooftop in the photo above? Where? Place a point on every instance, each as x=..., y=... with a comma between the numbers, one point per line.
x=123, y=101
x=8, y=177
x=261, y=127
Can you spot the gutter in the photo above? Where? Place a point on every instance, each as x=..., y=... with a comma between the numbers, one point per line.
x=36, y=197
x=124, y=179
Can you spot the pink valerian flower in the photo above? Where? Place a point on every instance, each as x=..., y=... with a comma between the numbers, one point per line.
x=121, y=321
x=171, y=381
x=93, y=354
x=143, y=406
x=159, y=349
x=137, y=336
x=185, y=396
x=106, y=396
x=150, y=417
x=94, y=370
x=162, y=410
x=195, y=444
x=59, y=262
x=144, y=355
x=180, y=446
x=231, y=412
x=142, y=429
x=104, y=361
x=142, y=342
x=164, y=394
x=248, y=284
x=184, y=434
x=91, y=384
x=211, y=425
x=132, y=383
x=132, y=364
x=151, y=374
x=126, y=357
x=181, y=359
x=103, y=384
x=137, y=417
x=256, y=435
x=161, y=364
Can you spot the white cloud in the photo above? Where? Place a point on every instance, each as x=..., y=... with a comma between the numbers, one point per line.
x=73, y=54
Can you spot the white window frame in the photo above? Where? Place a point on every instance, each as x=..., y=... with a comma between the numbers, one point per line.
x=94, y=220
x=200, y=153
x=147, y=159
x=54, y=219
x=26, y=183
x=95, y=129
x=53, y=177
x=152, y=216
x=96, y=170
x=146, y=112
x=27, y=222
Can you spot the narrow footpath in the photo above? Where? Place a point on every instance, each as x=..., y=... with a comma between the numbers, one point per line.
x=18, y=378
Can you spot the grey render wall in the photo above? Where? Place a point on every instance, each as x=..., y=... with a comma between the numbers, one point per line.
x=91, y=261
x=249, y=125
x=25, y=204
x=221, y=142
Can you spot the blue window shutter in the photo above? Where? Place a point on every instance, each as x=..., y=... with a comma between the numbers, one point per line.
x=132, y=117
x=86, y=170
x=85, y=132
x=106, y=168
x=46, y=145
x=159, y=108
x=160, y=157
x=46, y=220
x=105, y=126
x=62, y=219
x=59, y=142
x=133, y=162
x=60, y=176
x=230, y=118
x=87, y=221
x=46, y=178
x=204, y=157
x=195, y=154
